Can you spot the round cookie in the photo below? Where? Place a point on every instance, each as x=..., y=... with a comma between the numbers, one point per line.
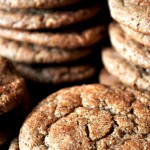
x=89, y=117
x=18, y=52
x=131, y=15
x=107, y=79
x=12, y=86
x=56, y=75
x=41, y=19
x=14, y=145
x=68, y=40
x=25, y=4
x=125, y=71
x=128, y=48
x=141, y=38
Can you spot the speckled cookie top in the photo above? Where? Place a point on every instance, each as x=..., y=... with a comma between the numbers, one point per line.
x=25, y=4
x=89, y=117
x=34, y=19
x=69, y=40
x=125, y=71
x=131, y=15
x=18, y=52
x=12, y=86
x=129, y=49
x=141, y=38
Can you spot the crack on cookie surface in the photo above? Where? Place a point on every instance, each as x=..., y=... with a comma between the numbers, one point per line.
x=72, y=117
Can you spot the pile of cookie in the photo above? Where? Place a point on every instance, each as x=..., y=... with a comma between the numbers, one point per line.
x=14, y=101
x=47, y=40
x=129, y=59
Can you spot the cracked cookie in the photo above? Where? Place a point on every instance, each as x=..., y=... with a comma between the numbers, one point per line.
x=69, y=40
x=131, y=50
x=14, y=99
x=131, y=15
x=18, y=52
x=141, y=38
x=126, y=72
x=89, y=117
x=34, y=19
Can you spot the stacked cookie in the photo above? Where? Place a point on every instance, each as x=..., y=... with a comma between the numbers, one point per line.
x=14, y=100
x=43, y=32
x=88, y=117
x=130, y=62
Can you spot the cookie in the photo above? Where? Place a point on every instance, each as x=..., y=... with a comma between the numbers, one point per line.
x=25, y=4
x=14, y=145
x=126, y=72
x=56, y=75
x=34, y=19
x=68, y=40
x=141, y=38
x=140, y=2
x=18, y=52
x=12, y=86
x=131, y=15
x=107, y=79
x=89, y=117
x=128, y=48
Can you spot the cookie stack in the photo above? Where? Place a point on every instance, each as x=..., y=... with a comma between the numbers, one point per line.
x=14, y=100
x=43, y=37
x=129, y=59
x=88, y=117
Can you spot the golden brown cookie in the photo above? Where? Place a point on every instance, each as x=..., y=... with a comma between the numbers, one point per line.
x=141, y=38
x=131, y=15
x=125, y=71
x=66, y=40
x=30, y=53
x=12, y=86
x=34, y=19
x=128, y=48
x=89, y=117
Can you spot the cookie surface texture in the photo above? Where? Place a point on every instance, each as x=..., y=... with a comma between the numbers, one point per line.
x=12, y=86
x=125, y=71
x=142, y=38
x=128, y=48
x=89, y=117
x=43, y=19
x=17, y=52
x=69, y=40
x=131, y=15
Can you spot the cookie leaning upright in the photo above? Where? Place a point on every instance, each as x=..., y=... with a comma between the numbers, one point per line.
x=14, y=99
x=89, y=117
